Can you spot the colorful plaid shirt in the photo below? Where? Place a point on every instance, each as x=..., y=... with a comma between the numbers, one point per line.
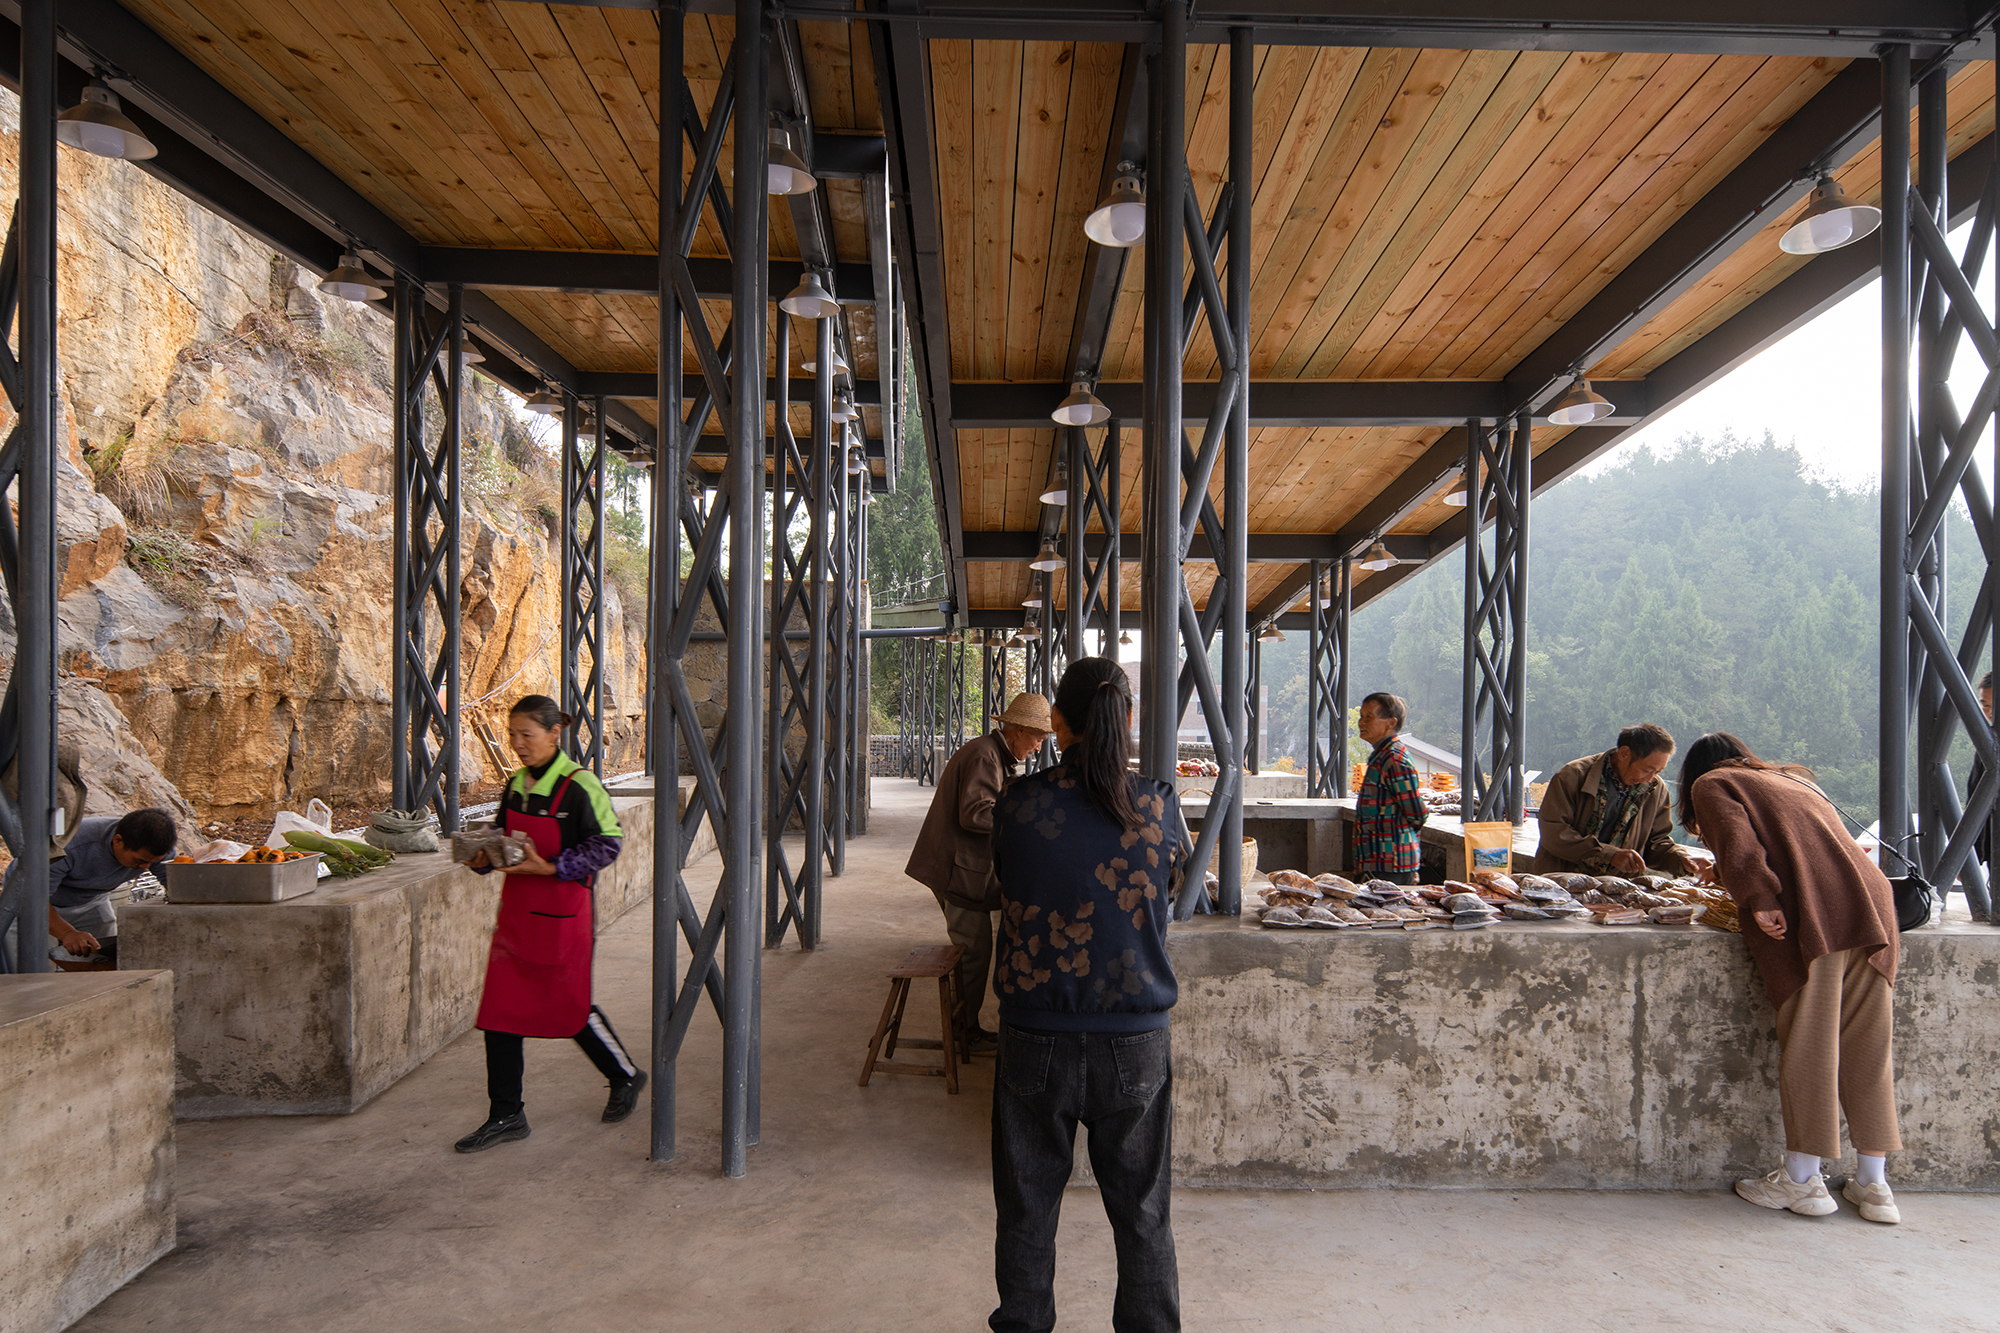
x=1390, y=812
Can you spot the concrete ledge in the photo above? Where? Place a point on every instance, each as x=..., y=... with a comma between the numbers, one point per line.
x=1557, y=1056
x=317, y=1005
x=86, y=1095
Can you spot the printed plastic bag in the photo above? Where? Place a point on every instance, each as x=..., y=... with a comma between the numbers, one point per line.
x=318, y=818
x=1489, y=846
x=403, y=831
x=222, y=849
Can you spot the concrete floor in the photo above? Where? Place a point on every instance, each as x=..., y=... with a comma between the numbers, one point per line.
x=870, y=1208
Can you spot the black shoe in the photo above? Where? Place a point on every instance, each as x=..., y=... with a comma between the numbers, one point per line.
x=624, y=1096
x=496, y=1131
x=981, y=1042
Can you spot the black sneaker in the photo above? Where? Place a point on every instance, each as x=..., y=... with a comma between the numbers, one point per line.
x=496, y=1131
x=624, y=1096
x=981, y=1042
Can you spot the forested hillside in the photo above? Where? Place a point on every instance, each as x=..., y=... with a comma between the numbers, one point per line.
x=1721, y=585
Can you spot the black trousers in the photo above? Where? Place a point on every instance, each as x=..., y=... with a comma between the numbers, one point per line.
x=505, y=1059
x=1122, y=1088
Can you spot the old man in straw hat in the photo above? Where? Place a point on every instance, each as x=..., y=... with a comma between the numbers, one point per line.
x=953, y=857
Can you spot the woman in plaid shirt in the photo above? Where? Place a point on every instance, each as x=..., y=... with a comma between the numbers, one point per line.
x=1391, y=810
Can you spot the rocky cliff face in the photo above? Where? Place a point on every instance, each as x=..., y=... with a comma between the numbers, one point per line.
x=225, y=519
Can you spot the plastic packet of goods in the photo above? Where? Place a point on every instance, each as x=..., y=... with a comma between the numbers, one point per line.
x=1489, y=846
x=501, y=848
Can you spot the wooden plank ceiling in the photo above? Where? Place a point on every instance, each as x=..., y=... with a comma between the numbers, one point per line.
x=522, y=127
x=1418, y=214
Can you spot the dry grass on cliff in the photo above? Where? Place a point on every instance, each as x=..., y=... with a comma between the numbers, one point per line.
x=336, y=357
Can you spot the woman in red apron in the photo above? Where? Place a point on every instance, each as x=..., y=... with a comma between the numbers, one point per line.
x=538, y=970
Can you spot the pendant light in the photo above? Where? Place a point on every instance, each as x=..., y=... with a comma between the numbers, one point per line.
x=1580, y=405
x=1058, y=491
x=1048, y=558
x=809, y=300
x=840, y=366
x=470, y=355
x=1081, y=408
x=543, y=403
x=843, y=406
x=1120, y=221
x=1125, y=636
x=98, y=124
x=1831, y=220
x=787, y=172
x=586, y=428
x=1459, y=496
x=351, y=282
x=1271, y=634
x=857, y=462
x=1034, y=602
x=1378, y=557
x=1029, y=633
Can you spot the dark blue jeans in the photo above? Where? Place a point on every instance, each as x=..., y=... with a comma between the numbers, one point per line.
x=1122, y=1089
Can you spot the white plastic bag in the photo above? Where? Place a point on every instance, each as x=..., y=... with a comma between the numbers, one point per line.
x=318, y=818
x=220, y=850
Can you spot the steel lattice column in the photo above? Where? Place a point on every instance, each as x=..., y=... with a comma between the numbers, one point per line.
x=1498, y=484
x=1940, y=471
x=583, y=581
x=1326, y=666
x=1093, y=500
x=1253, y=707
x=1894, y=750
x=424, y=688
x=1161, y=584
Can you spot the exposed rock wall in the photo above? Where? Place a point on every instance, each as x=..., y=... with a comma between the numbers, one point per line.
x=226, y=513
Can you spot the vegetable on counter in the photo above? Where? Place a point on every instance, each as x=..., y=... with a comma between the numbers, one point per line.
x=345, y=857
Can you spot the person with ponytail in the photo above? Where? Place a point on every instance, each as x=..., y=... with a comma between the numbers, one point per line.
x=538, y=966
x=1820, y=920
x=1087, y=853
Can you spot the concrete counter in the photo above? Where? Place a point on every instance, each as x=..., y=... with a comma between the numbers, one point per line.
x=1311, y=834
x=1545, y=1055
x=86, y=1094
x=318, y=1004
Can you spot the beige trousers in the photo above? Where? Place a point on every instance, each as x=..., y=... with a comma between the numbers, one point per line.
x=1835, y=1034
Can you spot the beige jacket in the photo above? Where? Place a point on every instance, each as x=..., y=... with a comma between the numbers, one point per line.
x=1569, y=840
x=954, y=852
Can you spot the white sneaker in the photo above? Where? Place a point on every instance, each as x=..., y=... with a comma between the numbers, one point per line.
x=1779, y=1191
x=1876, y=1203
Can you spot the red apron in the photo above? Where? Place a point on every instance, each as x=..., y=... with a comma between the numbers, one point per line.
x=538, y=969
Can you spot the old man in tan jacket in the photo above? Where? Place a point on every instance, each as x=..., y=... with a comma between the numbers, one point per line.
x=1610, y=813
x=953, y=857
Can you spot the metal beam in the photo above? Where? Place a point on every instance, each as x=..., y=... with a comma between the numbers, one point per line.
x=1104, y=266
x=596, y=273
x=1301, y=403
x=631, y=385
x=1265, y=547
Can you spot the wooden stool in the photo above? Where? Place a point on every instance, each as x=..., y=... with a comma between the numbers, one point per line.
x=937, y=960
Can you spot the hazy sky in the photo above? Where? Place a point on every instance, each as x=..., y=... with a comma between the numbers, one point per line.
x=1821, y=388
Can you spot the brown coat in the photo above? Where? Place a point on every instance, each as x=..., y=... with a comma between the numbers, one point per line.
x=954, y=851
x=1566, y=808
x=1780, y=845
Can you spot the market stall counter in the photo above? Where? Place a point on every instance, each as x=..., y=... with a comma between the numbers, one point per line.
x=1311, y=834
x=1554, y=1055
x=319, y=1003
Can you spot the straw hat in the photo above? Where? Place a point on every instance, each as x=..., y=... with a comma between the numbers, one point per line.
x=1028, y=710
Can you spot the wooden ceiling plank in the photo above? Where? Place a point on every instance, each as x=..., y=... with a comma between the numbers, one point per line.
x=861, y=64
x=1095, y=70
x=623, y=124
x=1534, y=207
x=996, y=134
x=1208, y=168
x=1441, y=223
x=1309, y=242
x=829, y=74
x=1495, y=204
x=1047, y=69
x=952, y=131
x=1410, y=143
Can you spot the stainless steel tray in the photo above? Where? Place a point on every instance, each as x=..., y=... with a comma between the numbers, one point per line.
x=235, y=882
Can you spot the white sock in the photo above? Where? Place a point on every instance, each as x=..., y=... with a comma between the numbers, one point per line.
x=1872, y=1170
x=1801, y=1167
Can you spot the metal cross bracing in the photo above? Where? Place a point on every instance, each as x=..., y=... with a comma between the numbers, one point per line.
x=1329, y=609
x=992, y=679
x=796, y=698
x=1497, y=483
x=424, y=688
x=1253, y=709
x=583, y=447
x=1093, y=496
x=1183, y=493
x=1929, y=444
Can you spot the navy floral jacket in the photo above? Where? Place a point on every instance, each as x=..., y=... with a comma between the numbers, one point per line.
x=1084, y=906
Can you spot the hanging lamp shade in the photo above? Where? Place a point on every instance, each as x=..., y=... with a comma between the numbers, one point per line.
x=1579, y=406
x=1271, y=634
x=1058, y=492
x=840, y=366
x=543, y=403
x=857, y=462
x=470, y=355
x=1081, y=408
x=1125, y=636
x=1029, y=632
x=1033, y=602
x=98, y=124
x=586, y=428
x=1120, y=220
x=1458, y=497
x=867, y=496
x=787, y=171
x=1830, y=221
x=351, y=282
x=843, y=406
x=1378, y=557
x=1048, y=557
x=809, y=300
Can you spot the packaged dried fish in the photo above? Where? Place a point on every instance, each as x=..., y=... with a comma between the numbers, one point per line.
x=1621, y=916
x=1464, y=902
x=1676, y=914
x=1283, y=916
x=1524, y=912
x=1295, y=882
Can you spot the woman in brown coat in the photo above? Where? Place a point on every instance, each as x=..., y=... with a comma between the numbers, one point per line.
x=1820, y=921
